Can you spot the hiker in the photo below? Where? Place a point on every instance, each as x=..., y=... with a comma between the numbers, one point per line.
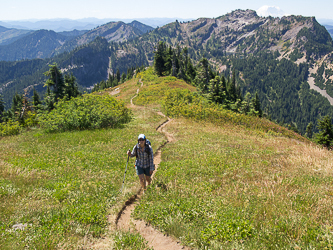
x=144, y=163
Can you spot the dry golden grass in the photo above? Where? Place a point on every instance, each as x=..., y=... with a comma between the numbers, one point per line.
x=281, y=186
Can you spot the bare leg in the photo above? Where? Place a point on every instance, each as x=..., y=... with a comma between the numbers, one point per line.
x=142, y=181
x=148, y=179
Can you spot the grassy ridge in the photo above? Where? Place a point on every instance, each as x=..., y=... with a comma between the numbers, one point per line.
x=236, y=182
x=62, y=185
x=179, y=99
x=223, y=187
x=228, y=181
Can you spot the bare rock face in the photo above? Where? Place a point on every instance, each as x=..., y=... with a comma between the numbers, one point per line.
x=242, y=15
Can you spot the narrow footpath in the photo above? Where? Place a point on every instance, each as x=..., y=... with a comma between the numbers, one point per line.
x=123, y=220
x=156, y=239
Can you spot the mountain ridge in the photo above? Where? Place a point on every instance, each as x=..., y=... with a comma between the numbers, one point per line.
x=283, y=53
x=10, y=35
x=39, y=44
x=24, y=47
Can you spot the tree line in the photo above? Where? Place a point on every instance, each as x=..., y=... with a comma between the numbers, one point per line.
x=58, y=86
x=224, y=90
x=115, y=79
x=216, y=87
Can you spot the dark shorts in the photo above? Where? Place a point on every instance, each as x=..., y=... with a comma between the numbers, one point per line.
x=140, y=170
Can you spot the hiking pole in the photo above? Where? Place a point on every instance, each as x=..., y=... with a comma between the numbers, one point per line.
x=124, y=175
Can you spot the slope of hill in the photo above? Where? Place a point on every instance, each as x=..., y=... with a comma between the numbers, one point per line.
x=113, y=31
x=242, y=33
x=8, y=36
x=140, y=26
x=220, y=184
x=89, y=63
x=43, y=44
x=288, y=60
x=73, y=33
x=39, y=44
x=242, y=38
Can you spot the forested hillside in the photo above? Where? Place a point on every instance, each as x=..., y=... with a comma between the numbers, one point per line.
x=8, y=36
x=24, y=44
x=272, y=56
x=39, y=44
x=113, y=31
x=288, y=61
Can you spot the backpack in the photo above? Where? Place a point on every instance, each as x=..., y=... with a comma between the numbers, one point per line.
x=147, y=149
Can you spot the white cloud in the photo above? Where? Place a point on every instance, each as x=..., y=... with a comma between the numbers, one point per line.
x=273, y=11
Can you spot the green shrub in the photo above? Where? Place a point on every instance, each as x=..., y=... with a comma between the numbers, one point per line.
x=30, y=120
x=184, y=103
x=10, y=128
x=86, y=112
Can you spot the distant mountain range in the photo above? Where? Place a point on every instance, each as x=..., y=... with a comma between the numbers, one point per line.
x=59, y=25
x=22, y=44
x=10, y=35
x=288, y=60
x=329, y=29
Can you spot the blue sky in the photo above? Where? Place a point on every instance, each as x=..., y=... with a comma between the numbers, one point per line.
x=77, y=9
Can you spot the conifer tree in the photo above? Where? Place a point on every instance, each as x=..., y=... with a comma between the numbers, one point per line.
x=71, y=87
x=159, y=60
x=49, y=99
x=35, y=99
x=309, y=130
x=202, y=77
x=246, y=104
x=174, y=64
x=17, y=104
x=256, y=104
x=214, y=89
x=231, y=89
x=109, y=81
x=325, y=135
x=129, y=74
x=55, y=81
x=2, y=108
x=118, y=76
x=223, y=84
x=185, y=56
x=123, y=77
x=168, y=61
x=191, y=72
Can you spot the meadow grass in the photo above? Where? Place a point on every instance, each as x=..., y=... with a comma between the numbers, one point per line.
x=61, y=186
x=154, y=88
x=130, y=241
x=231, y=181
x=224, y=187
x=127, y=90
x=228, y=181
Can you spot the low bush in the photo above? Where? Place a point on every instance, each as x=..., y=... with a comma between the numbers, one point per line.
x=86, y=112
x=10, y=128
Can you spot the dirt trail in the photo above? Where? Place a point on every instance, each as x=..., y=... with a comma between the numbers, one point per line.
x=156, y=239
x=137, y=92
x=123, y=220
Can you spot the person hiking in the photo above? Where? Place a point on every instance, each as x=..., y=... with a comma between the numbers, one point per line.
x=144, y=163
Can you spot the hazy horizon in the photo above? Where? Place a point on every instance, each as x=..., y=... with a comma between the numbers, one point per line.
x=19, y=10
